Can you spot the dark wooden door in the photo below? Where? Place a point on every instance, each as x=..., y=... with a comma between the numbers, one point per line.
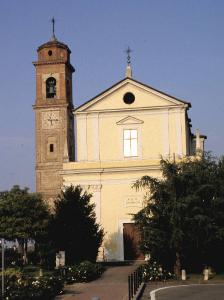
x=131, y=237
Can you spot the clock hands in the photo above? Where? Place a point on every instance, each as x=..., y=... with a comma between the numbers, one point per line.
x=51, y=120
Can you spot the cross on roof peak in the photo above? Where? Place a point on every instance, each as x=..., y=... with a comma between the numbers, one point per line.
x=128, y=51
x=128, y=72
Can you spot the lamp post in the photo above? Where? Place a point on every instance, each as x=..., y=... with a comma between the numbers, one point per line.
x=3, y=266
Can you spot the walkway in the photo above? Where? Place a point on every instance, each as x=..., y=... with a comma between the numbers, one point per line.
x=113, y=285
x=192, y=292
x=196, y=289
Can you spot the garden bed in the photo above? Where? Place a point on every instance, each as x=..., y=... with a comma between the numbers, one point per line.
x=33, y=282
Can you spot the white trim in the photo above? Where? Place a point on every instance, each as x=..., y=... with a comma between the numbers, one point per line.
x=94, y=119
x=183, y=132
x=103, y=181
x=82, y=138
x=129, y=120
x=155, y=109
x=90, y=170
x=166, y=142
x=178, y=134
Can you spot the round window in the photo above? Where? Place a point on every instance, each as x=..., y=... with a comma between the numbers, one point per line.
x=129, y=98
x=49, y=52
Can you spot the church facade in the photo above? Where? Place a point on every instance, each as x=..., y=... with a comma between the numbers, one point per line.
x=105, y=144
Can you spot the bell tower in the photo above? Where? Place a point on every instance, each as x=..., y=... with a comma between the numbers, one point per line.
x=54, y=121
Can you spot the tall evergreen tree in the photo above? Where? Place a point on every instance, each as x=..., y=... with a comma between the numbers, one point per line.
x=182, y=224
x=74, y=227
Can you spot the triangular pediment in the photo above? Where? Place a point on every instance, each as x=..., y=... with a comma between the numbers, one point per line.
x=145, y=97
x=129, y=120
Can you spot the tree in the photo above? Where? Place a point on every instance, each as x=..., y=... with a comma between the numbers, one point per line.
x=24, y=216
x=182, y=223
x=74, y=228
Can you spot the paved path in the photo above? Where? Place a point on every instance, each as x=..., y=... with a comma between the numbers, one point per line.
x=194, y=292
x=113, y=285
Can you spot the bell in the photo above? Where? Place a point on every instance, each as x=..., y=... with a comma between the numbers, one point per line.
x=51, y=90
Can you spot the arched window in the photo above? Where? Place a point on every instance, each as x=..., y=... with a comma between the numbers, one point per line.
x=51, y=87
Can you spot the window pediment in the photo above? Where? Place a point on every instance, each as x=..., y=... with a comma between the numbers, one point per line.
x=129, y=120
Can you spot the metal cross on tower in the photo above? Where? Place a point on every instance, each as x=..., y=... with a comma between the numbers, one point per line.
x=128, y=67
x=53, y=27
x=128, y=51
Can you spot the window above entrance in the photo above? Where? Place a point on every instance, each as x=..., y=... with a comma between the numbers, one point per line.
x=130, y=142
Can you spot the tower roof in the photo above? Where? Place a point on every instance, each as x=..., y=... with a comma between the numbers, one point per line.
x=54, y=43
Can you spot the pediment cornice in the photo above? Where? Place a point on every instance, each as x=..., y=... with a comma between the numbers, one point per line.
x=129, y=120
x=89, y=104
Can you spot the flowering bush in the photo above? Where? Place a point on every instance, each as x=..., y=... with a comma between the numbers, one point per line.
x=19, y=287
x=26, y=287
x=83, y=272
x=152, y=271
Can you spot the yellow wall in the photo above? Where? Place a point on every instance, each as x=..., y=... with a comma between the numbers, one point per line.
x=113, y=195
x=161, y=125
x=101, y=166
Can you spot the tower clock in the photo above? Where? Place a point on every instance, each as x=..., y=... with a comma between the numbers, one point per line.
x=53, y=116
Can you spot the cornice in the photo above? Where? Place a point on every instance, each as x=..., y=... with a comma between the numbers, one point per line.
x=50, y=166
x=116, y=86
x=54, y=62
x=110, y=170
x=50, y=106
x=165, y=108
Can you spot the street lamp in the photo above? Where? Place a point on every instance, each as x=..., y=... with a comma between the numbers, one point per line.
x=3, y=265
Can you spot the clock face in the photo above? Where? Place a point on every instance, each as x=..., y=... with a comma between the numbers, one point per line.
x=50, y=119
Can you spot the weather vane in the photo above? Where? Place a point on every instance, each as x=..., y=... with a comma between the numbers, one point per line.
x=128, y=51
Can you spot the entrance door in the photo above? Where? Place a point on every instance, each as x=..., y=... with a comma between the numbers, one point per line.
x=131, y=238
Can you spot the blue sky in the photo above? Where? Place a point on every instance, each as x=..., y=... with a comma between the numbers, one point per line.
x=178, y=47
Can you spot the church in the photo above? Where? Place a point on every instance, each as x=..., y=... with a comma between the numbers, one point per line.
x=105, y=144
